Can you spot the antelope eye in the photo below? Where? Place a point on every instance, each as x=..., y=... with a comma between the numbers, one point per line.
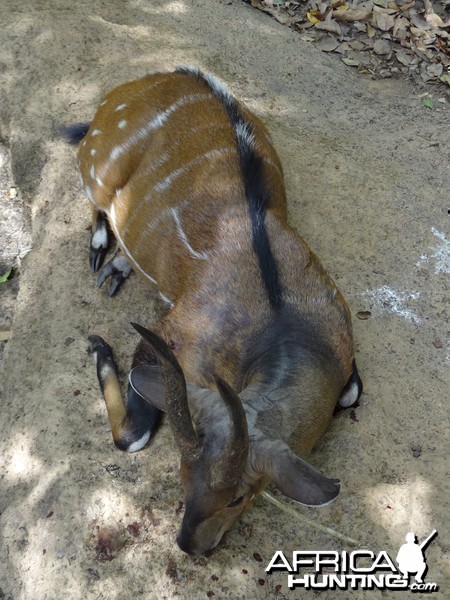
x=235, y=502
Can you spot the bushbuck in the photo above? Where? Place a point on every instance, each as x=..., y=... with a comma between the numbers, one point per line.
x=256, y=348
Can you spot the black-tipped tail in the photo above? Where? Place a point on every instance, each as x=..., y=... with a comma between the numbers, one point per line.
x=73, y=134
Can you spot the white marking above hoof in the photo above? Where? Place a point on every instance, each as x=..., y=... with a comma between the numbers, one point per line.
x=138, y=444
x=349, y=397
x=100, y=238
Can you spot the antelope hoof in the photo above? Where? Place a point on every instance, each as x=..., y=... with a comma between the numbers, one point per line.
x=96, y=258
x=118, y=269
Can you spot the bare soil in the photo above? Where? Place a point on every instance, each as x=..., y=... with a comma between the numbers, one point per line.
x=367, y=172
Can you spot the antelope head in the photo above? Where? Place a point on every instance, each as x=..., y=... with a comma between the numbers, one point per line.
x=221, y=470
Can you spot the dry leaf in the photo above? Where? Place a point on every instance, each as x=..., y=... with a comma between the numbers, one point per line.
x=384, y=21
x=350, y=62
x=435, y=70
x=382, y=47
x=314, y=16
x=404, y=57
x=327, y=43
x=329, y=25
x=353, y=14
x=370, y=31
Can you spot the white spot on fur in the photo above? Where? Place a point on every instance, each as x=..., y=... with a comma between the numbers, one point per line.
x=349, y=397
x=138, y=444
x=92, y=172
x=120, y=107
x=99, y=181
x=122, y=124
x=93, y=152
x=385, y=298
x=440, y=254
x=100, y=238
x=96, y=132
x=182, y=236
x=155, y=123
x=104, y=102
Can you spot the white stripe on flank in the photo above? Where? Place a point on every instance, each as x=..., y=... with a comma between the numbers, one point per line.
x=112, y=219
x=166, y=299
x=165, y=183
x=92, y=172
x=155, y=123
x=88, y=191
x=120, y=107
x=183, y=238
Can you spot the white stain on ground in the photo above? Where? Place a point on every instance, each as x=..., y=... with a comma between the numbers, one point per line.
x=386, y=299
x=440, y=253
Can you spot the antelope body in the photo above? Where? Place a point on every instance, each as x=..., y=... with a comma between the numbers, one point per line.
x=257, y=346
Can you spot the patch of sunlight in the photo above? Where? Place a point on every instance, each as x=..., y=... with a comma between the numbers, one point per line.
x=176, y=7
x=108, y=503
x=402, y=508
x=21, y=460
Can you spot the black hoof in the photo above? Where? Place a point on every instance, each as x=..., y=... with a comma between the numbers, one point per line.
x=96, y=258
x=118, y=269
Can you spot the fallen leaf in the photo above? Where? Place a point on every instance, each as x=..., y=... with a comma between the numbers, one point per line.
x=435, y=70
x=445, y=79
x=314, y=16
x=404, y=58
x=427, y=102
x=327, y=43
x=5, y=276
x=384, y=21
x=382, y=47
x=329, y=25
x=352, y=14
x=350, y=62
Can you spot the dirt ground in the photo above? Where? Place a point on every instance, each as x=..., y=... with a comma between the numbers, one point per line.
x=367, y=172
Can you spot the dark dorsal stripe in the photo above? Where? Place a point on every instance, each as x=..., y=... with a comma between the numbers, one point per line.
x=256, y=190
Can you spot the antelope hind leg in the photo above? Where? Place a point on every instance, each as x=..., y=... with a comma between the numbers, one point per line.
x=118, y=268
x=131, y=425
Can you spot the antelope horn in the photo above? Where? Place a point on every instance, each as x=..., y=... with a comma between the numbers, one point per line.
x=175, y=396
x=227, y=470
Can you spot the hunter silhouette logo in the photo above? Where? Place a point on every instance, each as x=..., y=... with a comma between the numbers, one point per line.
x=359, y=569
x=410, y=557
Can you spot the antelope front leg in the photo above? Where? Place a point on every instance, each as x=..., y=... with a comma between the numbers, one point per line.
x=131, y=425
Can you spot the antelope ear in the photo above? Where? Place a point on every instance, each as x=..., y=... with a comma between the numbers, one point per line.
x=147, y=381
x=298, y=480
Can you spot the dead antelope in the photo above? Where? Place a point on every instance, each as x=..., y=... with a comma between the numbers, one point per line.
x=258, y=341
